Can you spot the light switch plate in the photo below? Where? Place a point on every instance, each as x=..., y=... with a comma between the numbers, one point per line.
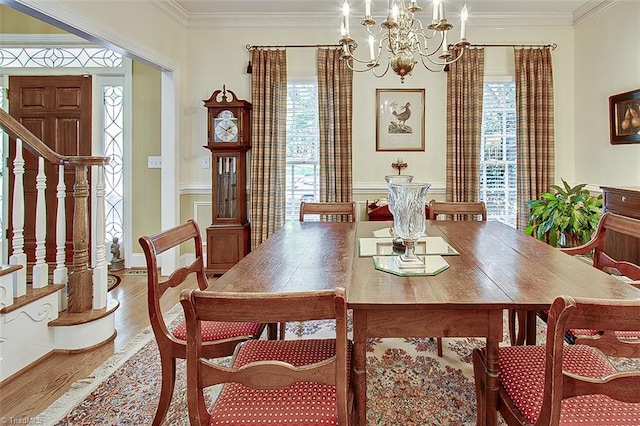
x=154, y=162
x=206, y=162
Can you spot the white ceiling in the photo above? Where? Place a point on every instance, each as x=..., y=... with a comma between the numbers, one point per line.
x=269, y=13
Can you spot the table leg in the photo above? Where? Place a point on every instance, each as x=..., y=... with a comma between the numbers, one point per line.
x=492, y=370
x=359, y=365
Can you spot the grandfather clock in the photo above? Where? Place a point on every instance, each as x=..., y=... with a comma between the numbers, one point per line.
x=228, y=139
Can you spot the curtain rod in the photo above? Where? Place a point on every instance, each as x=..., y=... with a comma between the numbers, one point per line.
x=251, y=47
x=284, y=46
x=552, y=46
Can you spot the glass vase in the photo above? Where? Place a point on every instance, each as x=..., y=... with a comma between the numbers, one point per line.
x=395, y=179
x=409, y=221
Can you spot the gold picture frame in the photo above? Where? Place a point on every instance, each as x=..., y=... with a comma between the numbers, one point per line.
x=624, y=117
x=400, y=119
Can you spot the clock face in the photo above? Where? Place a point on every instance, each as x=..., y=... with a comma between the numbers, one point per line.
x=225, y=128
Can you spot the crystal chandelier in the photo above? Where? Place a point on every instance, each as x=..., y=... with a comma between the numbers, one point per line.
x=405, y=37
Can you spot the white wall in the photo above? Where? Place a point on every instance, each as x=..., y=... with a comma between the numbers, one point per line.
x=602, y=60
x=607, y=62
x=218, y=57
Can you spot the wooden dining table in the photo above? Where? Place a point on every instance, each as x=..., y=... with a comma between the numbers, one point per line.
x=496, y=268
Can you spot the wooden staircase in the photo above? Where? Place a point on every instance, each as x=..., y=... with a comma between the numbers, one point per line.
x=71, y=311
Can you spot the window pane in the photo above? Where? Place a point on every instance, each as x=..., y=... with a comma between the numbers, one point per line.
x=302, y=146
x=498, y=152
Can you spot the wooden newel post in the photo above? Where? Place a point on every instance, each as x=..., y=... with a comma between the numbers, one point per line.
x=80, y=278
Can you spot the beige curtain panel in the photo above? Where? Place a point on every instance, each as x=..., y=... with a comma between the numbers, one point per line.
x=268, y=152
x=335, y=115
x=465, y=81
x=536, y=143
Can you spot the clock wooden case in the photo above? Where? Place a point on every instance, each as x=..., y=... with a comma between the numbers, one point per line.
x=228, y=139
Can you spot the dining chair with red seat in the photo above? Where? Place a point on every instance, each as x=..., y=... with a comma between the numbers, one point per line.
x=596, y=251
x=296, y=381
x=561, y=384
x=219, y=338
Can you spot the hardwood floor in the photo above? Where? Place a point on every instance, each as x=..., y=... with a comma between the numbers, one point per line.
x=28, y=393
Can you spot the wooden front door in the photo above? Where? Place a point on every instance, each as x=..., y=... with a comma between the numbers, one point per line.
x=57, y=109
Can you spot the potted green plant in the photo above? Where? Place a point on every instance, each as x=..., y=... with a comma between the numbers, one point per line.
x=565, y=217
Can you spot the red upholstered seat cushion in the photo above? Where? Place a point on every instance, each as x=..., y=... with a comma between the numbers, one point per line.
x=214, y=330
x=522, y=375
x=302, y=403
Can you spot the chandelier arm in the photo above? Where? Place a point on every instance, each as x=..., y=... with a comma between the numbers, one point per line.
x=428, y=68
x=373, y=70
x=425, y=52
x=442, y=63
x=370, y=66
x=375, y=34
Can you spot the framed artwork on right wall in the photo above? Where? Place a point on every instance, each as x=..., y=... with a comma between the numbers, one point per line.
x=624, y=117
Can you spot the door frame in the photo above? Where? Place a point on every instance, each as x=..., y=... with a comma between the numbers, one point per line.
x=52, y=13
x=100, y=76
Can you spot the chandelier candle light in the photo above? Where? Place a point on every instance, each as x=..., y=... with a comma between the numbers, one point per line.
x=404, y=36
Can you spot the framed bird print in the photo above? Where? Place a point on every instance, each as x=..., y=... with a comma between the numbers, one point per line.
x=400, y=120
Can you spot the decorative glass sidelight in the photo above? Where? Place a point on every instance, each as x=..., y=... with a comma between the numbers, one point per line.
x=113, y=115
x=113, y=100
x=227, y=186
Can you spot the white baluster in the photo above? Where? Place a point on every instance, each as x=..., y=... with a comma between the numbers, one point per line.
x=61, y=274
x=18, y=256
x=41, y=268
x=100, y=268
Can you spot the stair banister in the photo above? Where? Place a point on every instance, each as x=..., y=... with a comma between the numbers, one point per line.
x=81, y=291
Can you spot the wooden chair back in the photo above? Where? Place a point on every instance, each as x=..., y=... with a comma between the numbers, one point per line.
x=169, y=346
x=569, y=370
x=202, y=306
x=610, y=222
x=153, y=246
x=568, y=313
x=346, y=210
x=597, y=247
x=458, y=210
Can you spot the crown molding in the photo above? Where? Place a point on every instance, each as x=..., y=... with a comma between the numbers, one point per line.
x=591, y=9
x=330, y=20
x=173, y=10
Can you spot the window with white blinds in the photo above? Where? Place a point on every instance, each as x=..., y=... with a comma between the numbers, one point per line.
x=498, y=151
x=302, y=145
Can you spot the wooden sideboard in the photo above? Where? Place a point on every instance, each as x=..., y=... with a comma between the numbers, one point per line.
x=626, y=202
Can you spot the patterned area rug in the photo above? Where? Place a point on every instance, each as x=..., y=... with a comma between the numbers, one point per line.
x=113, y=281
x=407, y=383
